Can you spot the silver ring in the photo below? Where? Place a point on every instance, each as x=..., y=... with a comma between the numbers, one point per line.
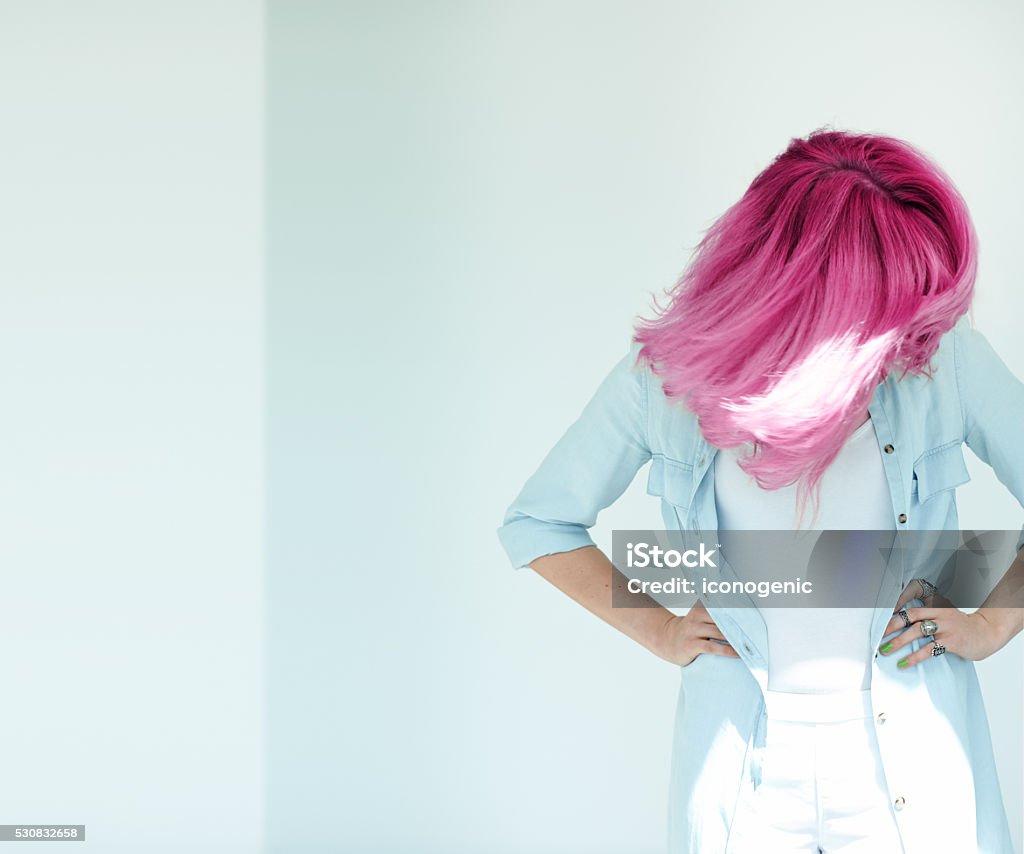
x=927, y=589
x=929, y=628
x=937, y=648
x=906, y=620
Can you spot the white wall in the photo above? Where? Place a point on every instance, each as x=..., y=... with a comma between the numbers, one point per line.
x=471, y=202
x=131, y=500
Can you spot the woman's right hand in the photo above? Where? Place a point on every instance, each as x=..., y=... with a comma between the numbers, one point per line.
x=695, y=633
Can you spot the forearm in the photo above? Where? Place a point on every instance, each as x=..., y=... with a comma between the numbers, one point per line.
x=1003, y=608
x=591, y=579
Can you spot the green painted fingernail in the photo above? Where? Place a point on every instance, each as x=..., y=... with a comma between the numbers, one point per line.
x=901, y=663
x=885, y=647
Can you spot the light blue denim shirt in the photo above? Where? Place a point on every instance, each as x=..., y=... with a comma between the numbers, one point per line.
x=931, y=723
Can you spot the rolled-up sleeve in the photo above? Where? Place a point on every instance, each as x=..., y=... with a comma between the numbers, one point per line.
x=588, y=468
x=992, y=404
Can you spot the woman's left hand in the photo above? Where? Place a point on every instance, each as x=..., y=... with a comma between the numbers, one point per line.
x=970, y=636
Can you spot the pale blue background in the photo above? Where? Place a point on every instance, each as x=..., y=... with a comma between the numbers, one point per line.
x=253, y=596
x=131, y=429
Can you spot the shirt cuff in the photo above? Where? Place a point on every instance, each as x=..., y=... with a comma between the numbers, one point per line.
x=525, y=539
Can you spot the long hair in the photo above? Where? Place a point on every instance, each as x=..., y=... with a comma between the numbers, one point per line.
x=846, y=259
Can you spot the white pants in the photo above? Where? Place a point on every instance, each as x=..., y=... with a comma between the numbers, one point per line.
x=822, y=785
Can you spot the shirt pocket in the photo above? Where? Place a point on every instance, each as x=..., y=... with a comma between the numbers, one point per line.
x=672, y=481
x=940, y=469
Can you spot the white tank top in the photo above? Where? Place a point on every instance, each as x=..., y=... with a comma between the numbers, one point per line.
x=810, y=650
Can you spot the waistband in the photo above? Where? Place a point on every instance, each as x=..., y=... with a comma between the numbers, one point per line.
x=818, y=708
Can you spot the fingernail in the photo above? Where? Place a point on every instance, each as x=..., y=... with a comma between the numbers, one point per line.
x=901, y=663
x=885, y=647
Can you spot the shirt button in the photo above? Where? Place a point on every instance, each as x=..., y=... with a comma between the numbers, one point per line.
x=747, y=648
x=900, y=802
x=888, y=449
x=881, y=717
x=903, y=518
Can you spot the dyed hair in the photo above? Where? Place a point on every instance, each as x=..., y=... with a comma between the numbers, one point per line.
x=846, y=259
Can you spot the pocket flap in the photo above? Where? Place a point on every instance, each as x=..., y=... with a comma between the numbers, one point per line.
x=940, y=469
x=671, y=480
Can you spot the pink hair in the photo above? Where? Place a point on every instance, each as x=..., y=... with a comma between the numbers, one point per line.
x=846, y=259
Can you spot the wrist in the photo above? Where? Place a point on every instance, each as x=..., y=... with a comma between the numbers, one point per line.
x=662, y=641
x=1003, y=624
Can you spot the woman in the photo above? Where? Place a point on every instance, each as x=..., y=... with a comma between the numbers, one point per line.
x=813, y=368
